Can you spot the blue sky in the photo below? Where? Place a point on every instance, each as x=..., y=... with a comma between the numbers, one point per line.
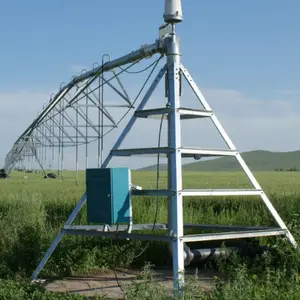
x=232, y=44
x=247, y=48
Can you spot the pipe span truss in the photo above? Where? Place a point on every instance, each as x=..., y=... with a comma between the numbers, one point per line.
x=79, y=114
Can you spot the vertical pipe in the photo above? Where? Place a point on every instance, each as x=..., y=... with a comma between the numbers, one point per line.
x=99, y=125
x=175, y=170
x=169, y=161
x=32, y=163
x=41, y=147
x=51, y=147
x=62, y=102
x=102, y=111
x=59, y=142
x=45, y=146
x=53, y=143
x=76, y=147
x=40, y=157
x=86, y=131
x=27, y=160
x=50, y=143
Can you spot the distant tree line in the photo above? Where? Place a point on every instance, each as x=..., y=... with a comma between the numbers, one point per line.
x=294, y=169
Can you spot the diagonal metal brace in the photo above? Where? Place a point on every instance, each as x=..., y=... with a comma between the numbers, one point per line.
x=58, y=238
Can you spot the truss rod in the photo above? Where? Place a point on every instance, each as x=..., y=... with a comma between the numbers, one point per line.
x=87, y=78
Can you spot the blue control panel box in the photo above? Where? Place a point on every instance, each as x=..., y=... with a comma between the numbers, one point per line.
x=108, y=195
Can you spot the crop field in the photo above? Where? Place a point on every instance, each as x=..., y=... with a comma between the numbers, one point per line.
x=32, y=210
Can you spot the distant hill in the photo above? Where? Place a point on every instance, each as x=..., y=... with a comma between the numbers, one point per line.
x=258, y=160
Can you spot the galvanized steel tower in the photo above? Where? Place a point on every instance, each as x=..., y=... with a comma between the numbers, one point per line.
x=168, y=45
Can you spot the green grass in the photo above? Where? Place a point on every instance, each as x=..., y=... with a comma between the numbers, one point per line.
x=258, y=160
x=32, y=210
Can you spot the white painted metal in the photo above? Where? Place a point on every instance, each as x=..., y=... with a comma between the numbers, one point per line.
x=133, y=118
x=69, y=221
x=266, y=200
x=186, y=113
x=232, y=235
x=173, y=11
x=141, y=151
x=229, y=228
x=186, y=152
x=175, y=153
x=112, y=228
x=173, y=62
x=130, y=207
x=152, y=112
x=207, y=152
x=152, y=193
x=205, y=104
x=239, y=158
x=200, y=192
x=195, y=113
x=221, y=192
x=76, y=89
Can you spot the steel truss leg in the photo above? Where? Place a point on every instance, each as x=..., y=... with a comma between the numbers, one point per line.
x=38, y=161
x=82, y=201
x=57, y=239
x=239, y=158
x=133, y=118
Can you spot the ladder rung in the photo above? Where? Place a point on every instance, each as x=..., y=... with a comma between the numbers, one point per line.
x=186, y=113
x=141, y=151
x=161, y=193
x=221, y=192
x=228, y=228
x=199, y=192
x=186, y=152
x=152, y=112
x=113, y=228
x=233, y=235
x=190, y=152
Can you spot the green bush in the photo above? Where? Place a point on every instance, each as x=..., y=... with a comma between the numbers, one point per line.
x=32, y=213
x=21, y=290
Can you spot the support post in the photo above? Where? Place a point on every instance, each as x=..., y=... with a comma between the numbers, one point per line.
x=175, y=168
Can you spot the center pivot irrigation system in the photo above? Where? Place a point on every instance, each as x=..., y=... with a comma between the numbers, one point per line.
x=109, y=190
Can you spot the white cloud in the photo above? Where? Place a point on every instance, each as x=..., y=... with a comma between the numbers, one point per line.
x=18, y=109
x=288, y=92
x=251, y=123
x=256, y=123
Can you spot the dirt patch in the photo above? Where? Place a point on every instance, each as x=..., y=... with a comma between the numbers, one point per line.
x=104, y=283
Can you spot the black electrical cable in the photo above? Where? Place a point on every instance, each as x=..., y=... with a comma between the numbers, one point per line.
x=139, y=93
x=159, y=139
x=138, y=72
x=95, y=76
x=156, y=209
x=136, y=98
x=155, y=63
x=157, y=179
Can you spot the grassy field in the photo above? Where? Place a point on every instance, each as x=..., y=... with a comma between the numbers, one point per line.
x=32, y=210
